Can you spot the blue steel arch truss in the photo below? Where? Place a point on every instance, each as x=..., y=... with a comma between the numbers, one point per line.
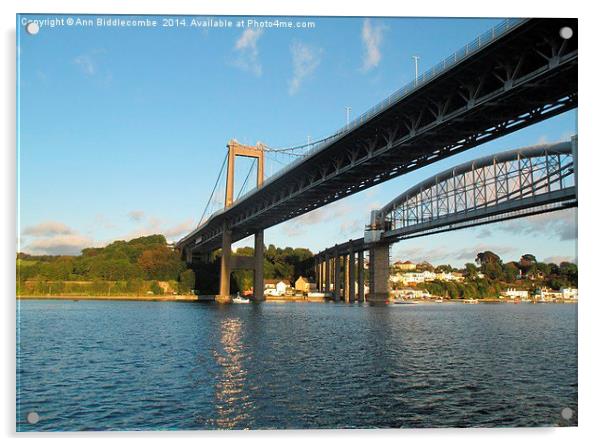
x=505, y=185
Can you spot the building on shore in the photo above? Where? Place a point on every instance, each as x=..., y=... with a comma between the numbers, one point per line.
x=513, y=293
x=411, y=293
x=276, y=287
x=303, y=285
x=548, y=295
x=569, y=293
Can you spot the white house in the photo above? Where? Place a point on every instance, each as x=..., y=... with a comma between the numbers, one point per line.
x=275, y=287
x=513, y=293
x=569, y=293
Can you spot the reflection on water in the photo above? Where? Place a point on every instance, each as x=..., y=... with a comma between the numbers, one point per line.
x=171, y=365
x=232, y=404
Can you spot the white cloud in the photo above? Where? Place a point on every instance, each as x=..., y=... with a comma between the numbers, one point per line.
x=444, y=255
x=300, y=225
x=248, y=52
x=305, y=61
x=179, y=230
x=157, y=226
x=53, y=238
x=100, y=220
x=352, y=228
x=561, y=225
x=48, y=228
x=59, y=245
x=372, y=37
x=86, y=64
x=136, y=215
x=559, y=259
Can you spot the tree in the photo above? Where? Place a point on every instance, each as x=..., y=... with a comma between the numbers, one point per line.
x=491, y=264
x=135, y=285
x=444, y=269
x=510, y=271
x=488, y=257
x=156, y=289
x=425, y=266
x=528, y=263
x=554, y=269
x=471, y=271
x=568, y=271
x=187, y=279
x=160, y=263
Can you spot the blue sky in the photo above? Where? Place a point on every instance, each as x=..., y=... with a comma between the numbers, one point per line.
x=122, y=130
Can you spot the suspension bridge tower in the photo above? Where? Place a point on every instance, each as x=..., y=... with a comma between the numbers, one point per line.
x=228, y=262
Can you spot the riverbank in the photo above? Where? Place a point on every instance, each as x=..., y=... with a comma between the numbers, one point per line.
x=274, y=299
x=161, y=298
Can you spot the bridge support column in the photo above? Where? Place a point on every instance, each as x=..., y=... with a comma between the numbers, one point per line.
x=322, y=273
x=337, y=276
x=360, y=276
x=225, y=267
x=351, y=278
x=326, y=285
x=346, y=277
x=321, y=283
x=379, y=274
x=258, y=288
x=317, y=271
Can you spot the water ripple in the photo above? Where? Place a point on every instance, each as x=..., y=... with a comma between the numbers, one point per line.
x=160, y=365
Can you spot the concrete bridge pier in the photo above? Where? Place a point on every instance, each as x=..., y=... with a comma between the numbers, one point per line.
x=328, y=273
x=337, y=275
x=321, y=267
x=225, y=268
x=351, y=276
x=344, y=276
x=258, y=285
x=317, y=272
x=360, y=276
x=379, y=274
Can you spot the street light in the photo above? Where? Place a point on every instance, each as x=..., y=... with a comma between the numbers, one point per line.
x=348, y=109
x=416, y=59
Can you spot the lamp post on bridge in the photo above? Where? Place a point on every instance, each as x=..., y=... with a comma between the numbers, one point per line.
x=416, y=59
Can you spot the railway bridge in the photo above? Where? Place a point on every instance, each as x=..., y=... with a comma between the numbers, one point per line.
x=504, y=186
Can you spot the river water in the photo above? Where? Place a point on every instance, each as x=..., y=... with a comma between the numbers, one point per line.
x=98, y=365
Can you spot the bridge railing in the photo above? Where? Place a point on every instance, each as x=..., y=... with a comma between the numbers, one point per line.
x=482, y=40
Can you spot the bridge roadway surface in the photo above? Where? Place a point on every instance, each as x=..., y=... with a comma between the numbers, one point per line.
x=518, y=74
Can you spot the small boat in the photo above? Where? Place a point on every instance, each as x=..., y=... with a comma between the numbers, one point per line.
x=240, y=300
x=439, y=300
x=471, y=301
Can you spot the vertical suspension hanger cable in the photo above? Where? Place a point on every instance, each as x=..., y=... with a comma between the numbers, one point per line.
x=240, y=192
x=213, y=191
